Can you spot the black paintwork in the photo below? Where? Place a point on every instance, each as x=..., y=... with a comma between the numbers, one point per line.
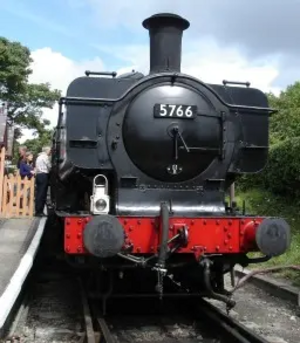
x=165, y=33
x=110, y=128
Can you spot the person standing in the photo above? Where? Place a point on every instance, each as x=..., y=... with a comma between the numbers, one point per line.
x=22, y=153
x=42, y=169
x=26, y=167
x=26, y=171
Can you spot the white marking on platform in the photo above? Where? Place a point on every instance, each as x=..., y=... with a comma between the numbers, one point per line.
x=15, y=284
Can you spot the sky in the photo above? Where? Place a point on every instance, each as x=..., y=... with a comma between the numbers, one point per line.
x=240, y=40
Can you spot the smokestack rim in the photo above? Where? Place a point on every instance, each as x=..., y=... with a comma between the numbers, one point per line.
x=165, y=19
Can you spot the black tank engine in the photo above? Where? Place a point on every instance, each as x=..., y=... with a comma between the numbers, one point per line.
x=142, y=165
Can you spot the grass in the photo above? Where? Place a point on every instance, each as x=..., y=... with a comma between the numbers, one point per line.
x=261, y=202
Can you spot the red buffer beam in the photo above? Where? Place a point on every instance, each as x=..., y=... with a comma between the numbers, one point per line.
x=205, y=235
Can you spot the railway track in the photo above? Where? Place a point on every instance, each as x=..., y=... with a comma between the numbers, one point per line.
x=167, y=322
x=56, y=308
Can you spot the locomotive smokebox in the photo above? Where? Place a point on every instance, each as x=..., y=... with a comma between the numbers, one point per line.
x=165, y=31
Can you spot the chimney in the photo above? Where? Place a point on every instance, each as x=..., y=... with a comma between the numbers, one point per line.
x=165, y=31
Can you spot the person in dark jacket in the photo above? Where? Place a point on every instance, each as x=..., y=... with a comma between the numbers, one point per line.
x=26, y=166
x=22, y=155
x=26, y=171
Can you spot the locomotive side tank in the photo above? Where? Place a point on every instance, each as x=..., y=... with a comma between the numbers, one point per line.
x=142, y=165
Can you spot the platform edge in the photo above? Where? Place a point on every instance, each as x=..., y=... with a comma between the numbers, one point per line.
x=14, y=286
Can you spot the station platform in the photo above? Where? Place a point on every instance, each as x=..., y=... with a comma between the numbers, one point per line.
x=19, y=241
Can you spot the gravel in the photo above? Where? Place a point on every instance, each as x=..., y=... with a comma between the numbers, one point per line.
x=54, y=317
x=271, y=317
x=152, y=330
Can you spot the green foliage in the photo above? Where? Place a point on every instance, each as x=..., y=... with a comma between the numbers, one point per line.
x=282, y=174
x=28, y=110
x=14, y=69
x=286, y=122
x=35, y=145
x=25, y=100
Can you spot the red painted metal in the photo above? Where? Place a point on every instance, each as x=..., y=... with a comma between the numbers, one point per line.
x=205, y=235
x=247, y=234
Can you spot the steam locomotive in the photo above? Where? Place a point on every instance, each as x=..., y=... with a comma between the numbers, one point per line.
x=142, y=165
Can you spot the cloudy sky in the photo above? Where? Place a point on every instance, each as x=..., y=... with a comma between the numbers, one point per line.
x=244, y=40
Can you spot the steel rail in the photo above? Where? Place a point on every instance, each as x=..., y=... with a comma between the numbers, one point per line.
x=105, y=330
x=89, y=329
x=237, y=332
x=90, y=313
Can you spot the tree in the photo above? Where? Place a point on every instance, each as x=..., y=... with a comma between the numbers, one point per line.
x=26, y=101
x=286, y=122
x=35, y=144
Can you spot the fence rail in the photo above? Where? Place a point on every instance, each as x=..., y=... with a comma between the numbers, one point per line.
x=16, y=194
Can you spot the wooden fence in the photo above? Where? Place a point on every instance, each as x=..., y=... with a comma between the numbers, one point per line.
x=16, y=195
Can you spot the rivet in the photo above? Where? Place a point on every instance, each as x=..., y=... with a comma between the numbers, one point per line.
x=125, y=221
x=139, y=222
x=204, y=222
x=78, y=248
x=243, y=221
x=68, y=248
x=79, y=221
x=230, y=222
x=68, y=235
x=192, y=222
x=230, y=248
x=138, y=249
x=226, y=242
x=217, y=248
x=217, y=222
x=225, y=228
x=78, y=235
x=229, y=235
